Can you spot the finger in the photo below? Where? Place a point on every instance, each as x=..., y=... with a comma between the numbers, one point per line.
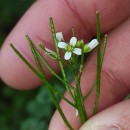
x=79, y=14
x=115, y=83
x=116, y=117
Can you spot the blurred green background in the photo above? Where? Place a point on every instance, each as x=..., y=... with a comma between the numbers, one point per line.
x=21, y=110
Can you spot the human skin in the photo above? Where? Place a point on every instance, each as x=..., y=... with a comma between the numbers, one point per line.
x=115, y=83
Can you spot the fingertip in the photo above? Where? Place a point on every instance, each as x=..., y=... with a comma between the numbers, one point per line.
x=113, y=118
x=35, y=24
x=14, y=72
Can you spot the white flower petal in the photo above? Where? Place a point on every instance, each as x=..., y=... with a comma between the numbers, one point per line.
x=77, y=112
x=62, y=45
x=50, y=53
x=77, y=51
x=59, y=36
x=67, y=55
x=93, y=44
x=48, y=50
x=73, y=41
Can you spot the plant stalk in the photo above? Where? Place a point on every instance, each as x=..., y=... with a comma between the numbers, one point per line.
x=78, y=94
x=59, y=58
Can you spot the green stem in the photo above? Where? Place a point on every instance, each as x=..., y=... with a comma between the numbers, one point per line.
x=59, y=58
x=59, y=109
x=48, y=85
x=52, y=71
x=40, y=76
x=34, y=52
x=61, y=95
x=80, y=103
x=103, y=49
x=90, y=91
x=39, y=66
x=98, y=75
x=26, y=62
x=102, y=57
x=78, y=94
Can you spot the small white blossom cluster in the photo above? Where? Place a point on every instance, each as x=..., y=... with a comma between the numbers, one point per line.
x=71, y=47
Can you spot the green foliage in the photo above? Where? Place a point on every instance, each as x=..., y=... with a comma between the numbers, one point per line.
x=12, y=107
x=25, y=110
x=39, y=111
x=34, y=124
x=10, y=13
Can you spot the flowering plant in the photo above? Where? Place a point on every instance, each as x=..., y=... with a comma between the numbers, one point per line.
x=74, y=55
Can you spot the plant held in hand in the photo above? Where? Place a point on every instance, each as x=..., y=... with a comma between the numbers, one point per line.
x=74, y=53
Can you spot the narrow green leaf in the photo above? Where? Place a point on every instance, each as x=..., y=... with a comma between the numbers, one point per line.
x=50, y=69
x=103, y=49
x=98, y=64
x=26, y=62
x=60, y=110
x=32, y=46
x=54, y=35
x=59, y=58
x=90, y=91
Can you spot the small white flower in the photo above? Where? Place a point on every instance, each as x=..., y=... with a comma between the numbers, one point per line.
x=91, y=45
x=69, y=48
x=59, y=36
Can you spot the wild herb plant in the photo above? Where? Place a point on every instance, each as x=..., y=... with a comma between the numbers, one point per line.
x=74, y=56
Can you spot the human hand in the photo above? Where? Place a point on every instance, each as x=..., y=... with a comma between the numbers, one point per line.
x=115, y=19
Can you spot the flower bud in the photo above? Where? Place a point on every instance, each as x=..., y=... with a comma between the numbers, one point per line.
x=90, y=46
x=79, y=43
x=59, y=36
x=51, y=53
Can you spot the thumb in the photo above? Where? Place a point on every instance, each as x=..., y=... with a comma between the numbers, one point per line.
x=116, y=117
